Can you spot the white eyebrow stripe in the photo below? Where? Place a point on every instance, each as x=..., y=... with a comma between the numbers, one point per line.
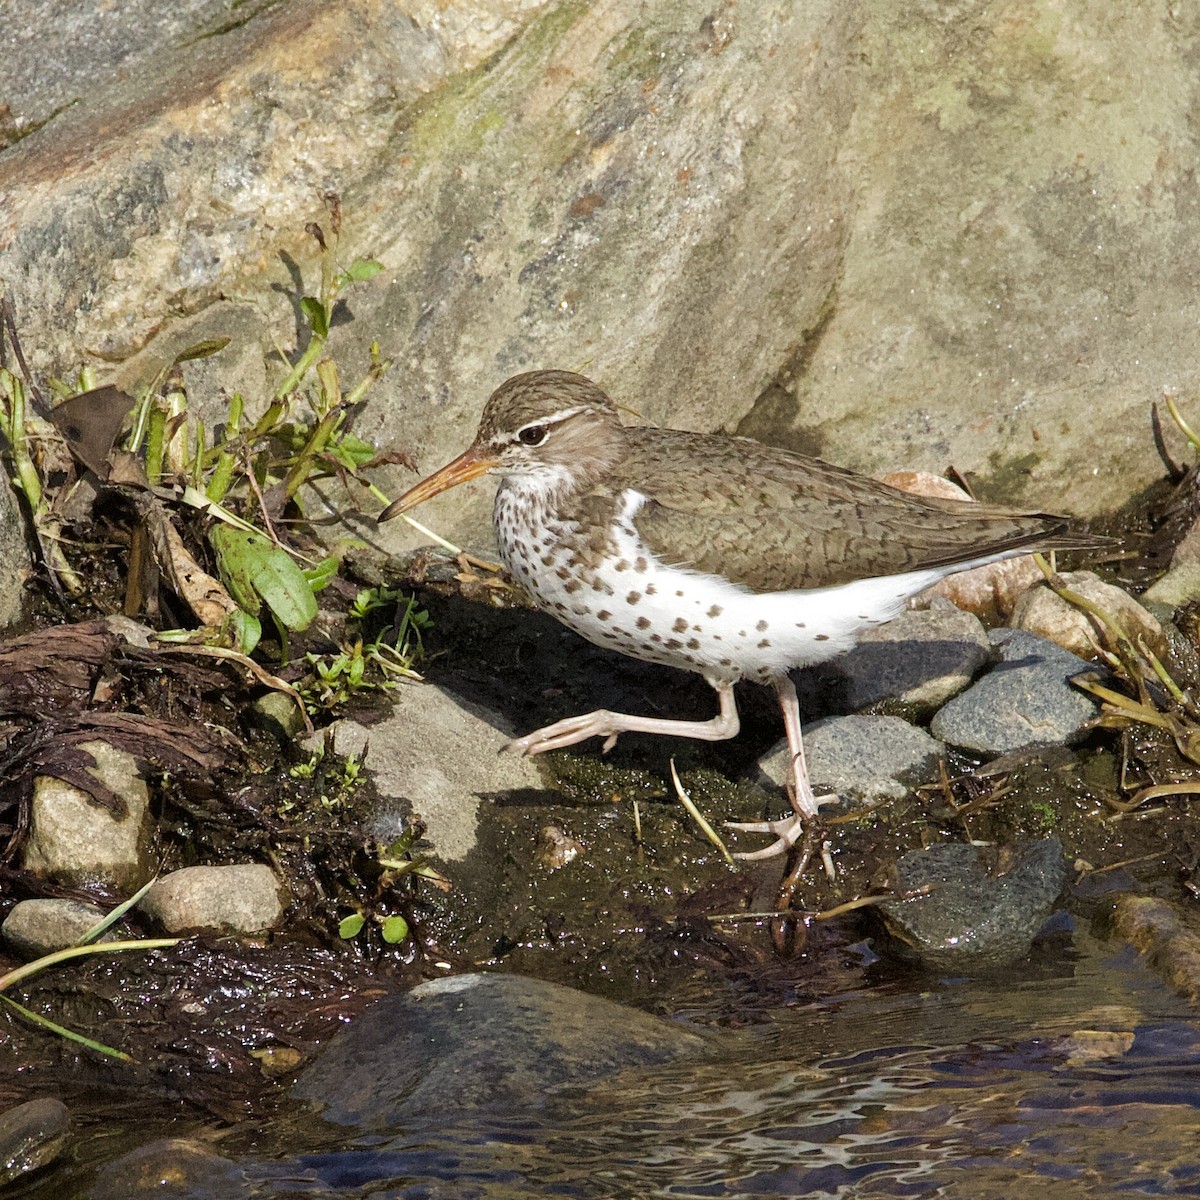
x=553, y=419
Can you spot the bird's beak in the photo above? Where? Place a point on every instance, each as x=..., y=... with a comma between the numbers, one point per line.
x=470, y=464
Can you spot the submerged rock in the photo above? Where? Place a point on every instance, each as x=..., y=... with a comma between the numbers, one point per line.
x=481, y=1040
x=976, y=913
x=32, y=1135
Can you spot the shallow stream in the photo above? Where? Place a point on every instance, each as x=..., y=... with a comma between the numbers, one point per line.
x=1077, y=1074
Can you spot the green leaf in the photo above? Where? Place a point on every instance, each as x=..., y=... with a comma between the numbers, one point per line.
x=245, y=630
x=395, y=929
x=323, y=573
x=316, y=316
x=362, y=269
x=351, y=926
x=351, y=452
x=205, y=349
x=254, y=569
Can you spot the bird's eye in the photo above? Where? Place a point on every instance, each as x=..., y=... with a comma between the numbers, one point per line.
x=533, y=435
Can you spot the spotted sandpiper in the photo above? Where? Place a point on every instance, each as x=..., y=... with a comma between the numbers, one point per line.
x=717, y=555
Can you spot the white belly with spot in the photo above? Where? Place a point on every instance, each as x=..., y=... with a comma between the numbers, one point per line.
x=634, y=603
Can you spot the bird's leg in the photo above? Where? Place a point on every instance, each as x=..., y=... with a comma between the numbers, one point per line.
x=804, y=819
x=608, y=725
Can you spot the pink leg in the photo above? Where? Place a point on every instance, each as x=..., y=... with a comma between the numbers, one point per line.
x=805, y=805
x=608, y=725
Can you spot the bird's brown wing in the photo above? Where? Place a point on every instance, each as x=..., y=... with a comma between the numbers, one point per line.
x=772, y=520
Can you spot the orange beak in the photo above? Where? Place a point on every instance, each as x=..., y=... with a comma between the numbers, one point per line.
x=468, y=465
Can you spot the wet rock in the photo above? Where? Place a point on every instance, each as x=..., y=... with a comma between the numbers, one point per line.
x=32, y=1135
x=241, y=899
x=36, y=927
x=481, y=1041
x=436, y=757
x=1025, y=699
x=556, y=848
x=864, y=757
x=74, y=839
x=922, y=658
x=982, y=909
x=172, y=1168
x=1166, y=935
x=1043, y=612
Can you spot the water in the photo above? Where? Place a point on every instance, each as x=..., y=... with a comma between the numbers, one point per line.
x=1078, y=1080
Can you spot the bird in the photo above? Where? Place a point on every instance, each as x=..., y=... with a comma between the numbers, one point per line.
x=713, y=554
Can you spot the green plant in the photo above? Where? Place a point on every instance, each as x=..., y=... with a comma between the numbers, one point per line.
x=366, y=662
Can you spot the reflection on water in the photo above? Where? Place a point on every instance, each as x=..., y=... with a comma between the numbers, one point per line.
x=1087, y=1084
x=1082, y=1085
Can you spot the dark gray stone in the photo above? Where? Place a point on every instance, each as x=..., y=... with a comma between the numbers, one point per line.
x=481, y=1040
x=974, y=915
x=1027, y=699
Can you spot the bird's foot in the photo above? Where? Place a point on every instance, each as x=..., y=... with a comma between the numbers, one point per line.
x=787, y=830
x=567, y=733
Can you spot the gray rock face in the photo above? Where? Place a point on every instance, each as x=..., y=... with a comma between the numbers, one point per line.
x=631, y=187
x=861, y=757
x=973, y=917
x=36, y=927
x=73, y=839
x=241, y=899
x=1025, y=700
x=437, y=757
x=480, y=1040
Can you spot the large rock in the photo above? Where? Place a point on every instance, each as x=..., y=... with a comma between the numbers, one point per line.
x=744, y=217
x=481, y=1041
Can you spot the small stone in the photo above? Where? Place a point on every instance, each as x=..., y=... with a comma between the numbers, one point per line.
x=241, y=899
x=279, y=715
x=1026, y=700
x=555, y=848
x=74, y=839
x=1179, y=586
x=1042, y=611
x=973, y=915
x=1166, y=934
x=37, y=927
x=865, y=757
x=32, y=1135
